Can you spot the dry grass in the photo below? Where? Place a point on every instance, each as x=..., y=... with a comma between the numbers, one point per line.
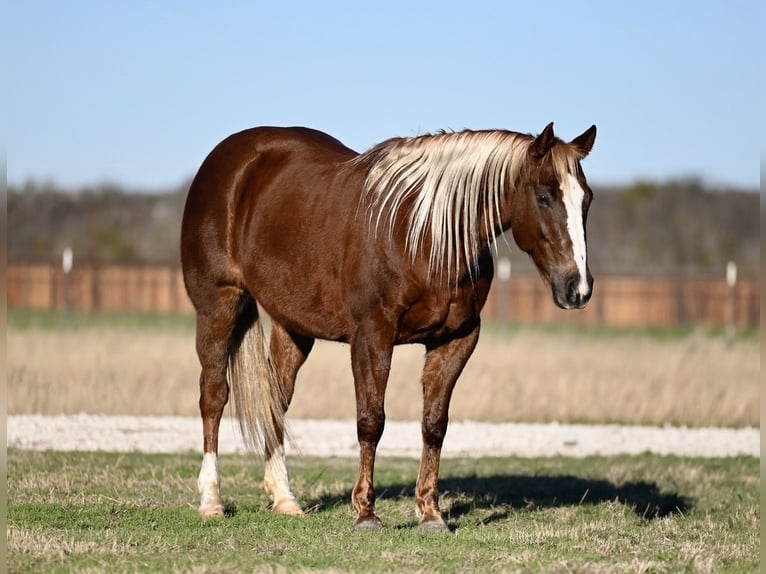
x=59, y=545
x=695, y=380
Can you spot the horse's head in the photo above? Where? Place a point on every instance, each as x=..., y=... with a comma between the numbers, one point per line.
x=549, y=209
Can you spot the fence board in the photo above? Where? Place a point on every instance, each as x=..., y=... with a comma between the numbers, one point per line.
x=617, y=301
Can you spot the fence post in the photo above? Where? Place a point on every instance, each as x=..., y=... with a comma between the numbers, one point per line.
x=731, y=300
x=67, y=261
x=504, y=275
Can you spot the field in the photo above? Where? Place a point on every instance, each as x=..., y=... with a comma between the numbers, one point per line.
x=110, y=512
x=135, y=365
x=124, y=513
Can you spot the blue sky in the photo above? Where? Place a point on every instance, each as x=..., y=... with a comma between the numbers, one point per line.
x=138, y=93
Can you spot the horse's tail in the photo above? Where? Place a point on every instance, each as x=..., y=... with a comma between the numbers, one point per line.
x=259, y=401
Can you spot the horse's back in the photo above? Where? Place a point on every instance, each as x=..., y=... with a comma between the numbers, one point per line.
x=270, y=139
x=231, y=157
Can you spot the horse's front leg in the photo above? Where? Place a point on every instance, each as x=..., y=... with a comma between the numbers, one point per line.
x=443, y=365
x=371, y=350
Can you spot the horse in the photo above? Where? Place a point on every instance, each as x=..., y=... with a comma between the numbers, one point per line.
x=386, y=247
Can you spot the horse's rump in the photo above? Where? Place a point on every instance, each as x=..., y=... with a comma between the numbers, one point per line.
x=277, y=213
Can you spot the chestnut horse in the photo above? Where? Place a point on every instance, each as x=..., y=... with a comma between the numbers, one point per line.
x=377, y=249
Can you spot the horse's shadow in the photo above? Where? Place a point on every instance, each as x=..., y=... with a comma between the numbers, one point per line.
x=502, y=494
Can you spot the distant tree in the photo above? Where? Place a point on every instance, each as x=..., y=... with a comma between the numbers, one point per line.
x=645, y=227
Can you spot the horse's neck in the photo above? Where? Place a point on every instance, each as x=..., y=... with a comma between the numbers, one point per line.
x=493, y=222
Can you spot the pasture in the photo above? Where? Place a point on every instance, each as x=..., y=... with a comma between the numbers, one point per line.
x=122, y=364
x=105, y=512
x=112, y=512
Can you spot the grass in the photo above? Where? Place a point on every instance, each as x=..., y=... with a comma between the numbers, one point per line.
x=55, y=320
x=104, y=512
x=67, y=321
x=600, y=332
x=142, y=364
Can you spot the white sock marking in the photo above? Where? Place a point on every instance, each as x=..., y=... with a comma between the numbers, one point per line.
x=276, y=479
x=209, y=481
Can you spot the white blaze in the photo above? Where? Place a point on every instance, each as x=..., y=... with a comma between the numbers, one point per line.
x=573, y=198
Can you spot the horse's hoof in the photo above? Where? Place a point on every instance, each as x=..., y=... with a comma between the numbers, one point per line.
x=288, y=507
x=368, y=524
x=209, y=512
x=433, y=526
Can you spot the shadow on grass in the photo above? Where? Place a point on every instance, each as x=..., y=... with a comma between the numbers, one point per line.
x=505, y=493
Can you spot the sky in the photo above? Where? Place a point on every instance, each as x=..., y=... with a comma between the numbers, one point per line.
x=137, y=93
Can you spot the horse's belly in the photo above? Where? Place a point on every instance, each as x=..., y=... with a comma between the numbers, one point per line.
x=432, y=318
x=303, y=304
x=294, y=270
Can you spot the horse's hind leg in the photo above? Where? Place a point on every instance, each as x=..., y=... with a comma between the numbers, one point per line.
x=288, y=353
x=216, y=321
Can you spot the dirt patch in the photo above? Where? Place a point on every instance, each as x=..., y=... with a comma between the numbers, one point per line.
x=338, y=438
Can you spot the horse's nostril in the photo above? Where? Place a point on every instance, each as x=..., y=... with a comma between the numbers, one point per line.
x=572, y=285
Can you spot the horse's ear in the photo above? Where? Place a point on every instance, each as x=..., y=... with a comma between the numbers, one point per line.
x=584, y=142
x=543, y=143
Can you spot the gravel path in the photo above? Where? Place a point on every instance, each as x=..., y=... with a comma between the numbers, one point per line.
x=338, y=438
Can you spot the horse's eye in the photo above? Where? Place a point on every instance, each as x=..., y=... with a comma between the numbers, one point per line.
x=543, y=200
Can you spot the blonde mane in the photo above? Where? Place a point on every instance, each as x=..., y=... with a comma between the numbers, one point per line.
x=454, y=182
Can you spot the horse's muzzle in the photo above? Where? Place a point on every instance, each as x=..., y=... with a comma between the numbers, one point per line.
x=570, y=292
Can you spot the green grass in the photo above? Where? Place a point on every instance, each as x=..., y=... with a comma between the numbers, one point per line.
x=657, y=333
x=26, y=319
x=129, y=513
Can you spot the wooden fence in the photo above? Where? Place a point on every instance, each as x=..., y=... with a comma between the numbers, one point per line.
x=617, y=301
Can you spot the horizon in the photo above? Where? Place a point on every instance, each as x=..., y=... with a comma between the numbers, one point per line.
x=608, y=187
